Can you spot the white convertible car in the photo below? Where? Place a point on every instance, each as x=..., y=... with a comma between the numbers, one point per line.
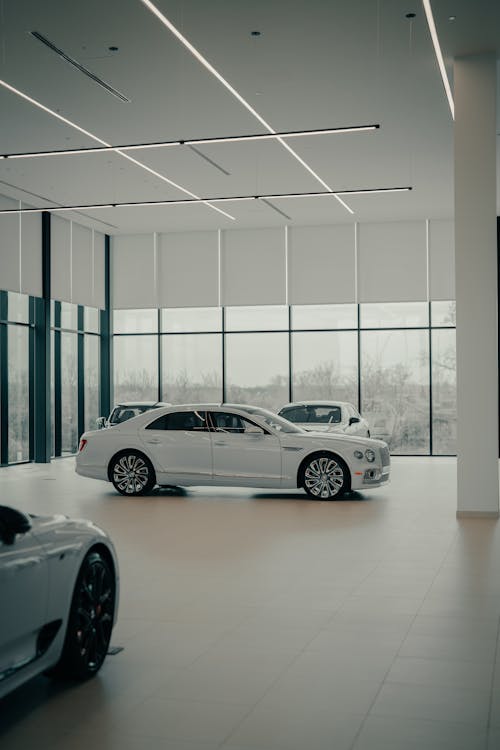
x=58, y=597
x=229, y=445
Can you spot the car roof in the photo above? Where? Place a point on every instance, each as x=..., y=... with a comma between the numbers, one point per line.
x=131, y=404
x=317, y=403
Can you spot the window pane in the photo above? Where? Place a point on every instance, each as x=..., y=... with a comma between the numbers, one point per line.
x=18, y=362
x=443, y=313
x=265, y=318
x=257, y=369
x=191, y=319
x=18, y=307
x=135, y=321
x=395, y=388
x=325, y=366
x=324, y=316
x=69, y=392
x=444, y=396
x=394, y=315
x=91, y=380
x=192, y=368
x=136, y=368
x=69, y=316
x=234, y=424
x=191, y=421
x=91, y=319
x=52, y=392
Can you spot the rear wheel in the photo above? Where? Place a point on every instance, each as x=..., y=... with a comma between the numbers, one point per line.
x=325, y=476
x=132, y=473
x=90, y=619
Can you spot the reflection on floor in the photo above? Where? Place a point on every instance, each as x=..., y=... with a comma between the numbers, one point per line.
x=267, y=621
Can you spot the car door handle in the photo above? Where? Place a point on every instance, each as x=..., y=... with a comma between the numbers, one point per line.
x=220, y=443
x=153, y=441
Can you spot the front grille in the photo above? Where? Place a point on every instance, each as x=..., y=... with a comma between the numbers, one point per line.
x=384, y=456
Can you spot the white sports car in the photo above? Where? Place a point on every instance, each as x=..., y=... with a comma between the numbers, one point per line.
x=58, y=597
x=228, y=445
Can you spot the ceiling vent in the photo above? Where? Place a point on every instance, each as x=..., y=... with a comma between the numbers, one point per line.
x=106, y=86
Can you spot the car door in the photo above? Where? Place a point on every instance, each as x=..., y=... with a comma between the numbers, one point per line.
x=181, y=445
x=244, y=453
x=23, y=597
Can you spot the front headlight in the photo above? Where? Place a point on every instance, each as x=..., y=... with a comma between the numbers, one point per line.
x=370, y=455
x=358, y=454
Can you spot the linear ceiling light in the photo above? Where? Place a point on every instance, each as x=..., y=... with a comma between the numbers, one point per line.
x=162, y=177
x=203, y=60
x=439, y=54
x=86, y=72
x=190, y=142
x=195, y=201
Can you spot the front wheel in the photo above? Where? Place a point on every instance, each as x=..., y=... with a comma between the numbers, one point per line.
x=325, y=476
x=90, y=620
x=132, y=474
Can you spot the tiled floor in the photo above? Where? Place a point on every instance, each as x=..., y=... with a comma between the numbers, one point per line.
x=267, y=621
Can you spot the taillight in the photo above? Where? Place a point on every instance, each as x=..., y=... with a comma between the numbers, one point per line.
x=82, y=445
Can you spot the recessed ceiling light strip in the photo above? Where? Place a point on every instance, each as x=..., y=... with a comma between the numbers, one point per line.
x=190, y=142
x=203, y=60
x=196, y=201
x=41, y=106
x=439, y=55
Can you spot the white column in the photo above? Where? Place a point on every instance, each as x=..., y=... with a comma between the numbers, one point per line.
x=476, y=285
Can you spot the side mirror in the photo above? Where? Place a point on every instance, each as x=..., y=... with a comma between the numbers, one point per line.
x=100, y=422
x=12, y=522
x=354, y=420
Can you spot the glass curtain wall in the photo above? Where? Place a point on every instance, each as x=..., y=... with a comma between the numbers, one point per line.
x=395, y=362
x=75, y=374
x=16, y=343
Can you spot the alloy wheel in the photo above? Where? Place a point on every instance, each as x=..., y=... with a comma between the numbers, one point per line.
x=324, y=477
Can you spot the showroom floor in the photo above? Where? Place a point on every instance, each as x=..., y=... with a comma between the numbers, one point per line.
x=260, y=620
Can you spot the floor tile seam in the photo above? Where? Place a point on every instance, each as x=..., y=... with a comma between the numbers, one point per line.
x=269, y=688
x=397, y=654
x=452, y=687
x=445, y=659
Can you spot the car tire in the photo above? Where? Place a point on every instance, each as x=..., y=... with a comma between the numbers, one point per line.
x=90, y=620
x=325, y=476
x=132, y=473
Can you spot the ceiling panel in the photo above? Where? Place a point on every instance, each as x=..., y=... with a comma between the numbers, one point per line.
x=315, y=64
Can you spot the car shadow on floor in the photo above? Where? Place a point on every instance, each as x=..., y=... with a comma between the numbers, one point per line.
x=349, y=497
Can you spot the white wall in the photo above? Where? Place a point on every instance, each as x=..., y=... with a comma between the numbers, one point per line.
x=385, y=262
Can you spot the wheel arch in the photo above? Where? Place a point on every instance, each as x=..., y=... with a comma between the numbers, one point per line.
x=123, y=452
x=317, y=454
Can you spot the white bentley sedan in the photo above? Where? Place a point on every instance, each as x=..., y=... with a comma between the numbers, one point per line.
x=228, y=445
x=58, y=597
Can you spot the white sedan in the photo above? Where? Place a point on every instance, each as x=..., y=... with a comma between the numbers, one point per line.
x=227, y=445
x=58, y=597
x=326, y=416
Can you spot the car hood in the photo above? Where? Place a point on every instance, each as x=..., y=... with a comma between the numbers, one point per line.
x=79, y=526
x=337, y=437
x=323, y=428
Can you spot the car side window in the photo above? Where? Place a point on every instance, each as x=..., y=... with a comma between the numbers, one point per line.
x=234, y=424
x=192, y=421
x=296, y=414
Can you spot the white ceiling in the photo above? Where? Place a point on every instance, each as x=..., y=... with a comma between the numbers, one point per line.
x=317, y=64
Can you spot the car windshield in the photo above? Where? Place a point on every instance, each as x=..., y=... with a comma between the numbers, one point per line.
x=277, y=423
